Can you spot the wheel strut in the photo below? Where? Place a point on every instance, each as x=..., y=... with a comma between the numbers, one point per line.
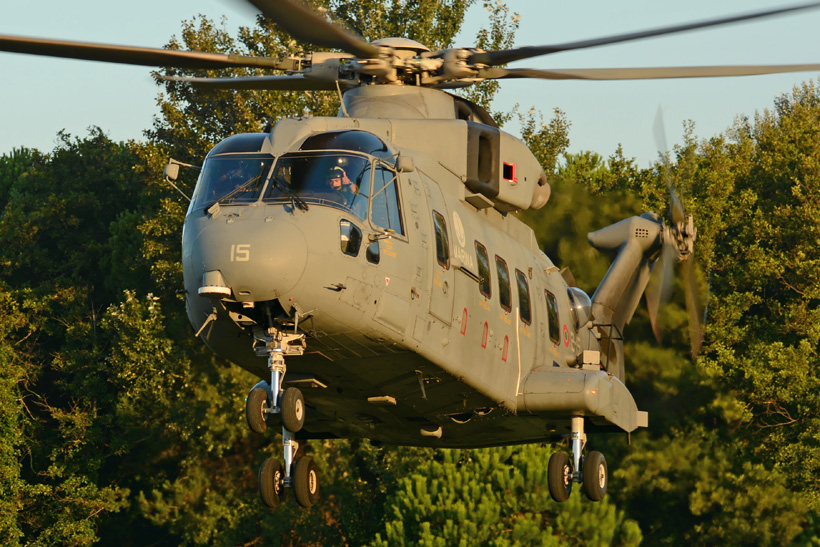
x=579, y=439
x=277, y=367
x=290, y=446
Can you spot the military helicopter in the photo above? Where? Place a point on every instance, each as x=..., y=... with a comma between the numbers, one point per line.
x=368, y=267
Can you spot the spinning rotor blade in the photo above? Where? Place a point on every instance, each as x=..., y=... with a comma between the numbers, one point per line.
x=305, y=25
x=660, y=286
x=130, y=55
x=678, y=247
x=692, y=306
x=277, y=83
x=676, y=211
x=502, y=57
x=644, y=73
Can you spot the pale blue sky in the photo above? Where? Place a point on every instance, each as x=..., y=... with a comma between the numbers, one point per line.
x=39, y=96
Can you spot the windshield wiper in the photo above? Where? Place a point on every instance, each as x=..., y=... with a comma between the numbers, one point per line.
x=238, y=190
x=286, y=189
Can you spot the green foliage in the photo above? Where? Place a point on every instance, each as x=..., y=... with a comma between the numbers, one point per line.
x=12, y=375
x=764, y=304
x=495, y=497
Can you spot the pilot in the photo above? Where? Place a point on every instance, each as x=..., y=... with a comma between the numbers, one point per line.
x=345, y=190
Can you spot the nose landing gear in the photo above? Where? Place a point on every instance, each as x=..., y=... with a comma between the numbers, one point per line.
x=590, y=470
x=301, y=473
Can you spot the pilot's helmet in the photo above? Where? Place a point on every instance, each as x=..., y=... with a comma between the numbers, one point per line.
x=335, y=173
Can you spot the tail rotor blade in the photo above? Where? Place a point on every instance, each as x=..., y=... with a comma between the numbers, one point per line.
x=676, y=210
x=660, y=285
x=692, y=306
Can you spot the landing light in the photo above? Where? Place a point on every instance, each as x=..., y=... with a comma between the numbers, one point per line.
x=213, y=284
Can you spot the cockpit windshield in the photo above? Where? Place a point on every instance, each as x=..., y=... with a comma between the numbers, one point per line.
x=232, y=179
x=349, y=170
x=338, y=179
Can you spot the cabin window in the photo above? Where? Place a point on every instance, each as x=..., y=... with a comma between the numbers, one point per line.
x=350, y=237
x=373, y=255
x=523, y=297
x=504, y=294
x=552, y=318
x=384, y=209
x=442, y=242
x=483, y=260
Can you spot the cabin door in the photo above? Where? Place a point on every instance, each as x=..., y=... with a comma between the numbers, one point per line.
x=443, y=279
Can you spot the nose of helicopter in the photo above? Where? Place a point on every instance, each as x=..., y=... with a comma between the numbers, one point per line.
x=238, y=258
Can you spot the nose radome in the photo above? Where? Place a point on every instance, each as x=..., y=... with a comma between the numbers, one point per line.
x=254, y=262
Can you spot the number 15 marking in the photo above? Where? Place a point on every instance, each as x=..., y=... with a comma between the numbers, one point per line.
x=240, y=253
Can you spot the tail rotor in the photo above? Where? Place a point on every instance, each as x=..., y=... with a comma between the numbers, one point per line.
x=678, y=248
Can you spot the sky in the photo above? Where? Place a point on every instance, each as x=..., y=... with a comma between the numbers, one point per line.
x=40, y=96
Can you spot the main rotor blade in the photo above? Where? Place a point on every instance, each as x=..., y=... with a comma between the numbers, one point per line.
x=502, y=57
x=278, y=83
x=305, y=25
x=644, y=73
x=129, y=55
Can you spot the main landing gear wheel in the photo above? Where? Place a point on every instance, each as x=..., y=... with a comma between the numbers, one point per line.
x=559, y=476
x=306, y=481
x=255, y=406
x=293, y=409
x=595, y=476
x=270, y=482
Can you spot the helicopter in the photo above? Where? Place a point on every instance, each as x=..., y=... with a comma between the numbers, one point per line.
x=370, y=269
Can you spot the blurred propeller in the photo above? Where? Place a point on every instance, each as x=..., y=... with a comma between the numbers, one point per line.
x=130, y=55
x=380, y=63
x=306, y=25
x=693, y=307
x=503, y=57
x=678, y=247
x=297, y=82
x=643, y=73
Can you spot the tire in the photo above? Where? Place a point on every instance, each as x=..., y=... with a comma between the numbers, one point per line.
x=270, y=482
x=293, y=409
x=559, y=477
x=595, y=476
x=255, y=406
x=305, y=481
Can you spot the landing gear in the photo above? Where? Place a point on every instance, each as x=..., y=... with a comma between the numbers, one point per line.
x=266, y=399
x=306, y=481
x=559, y=477
x=293, y=409
x=595, y=478
x=255, y=410
x=270, y=482
x=590, y=469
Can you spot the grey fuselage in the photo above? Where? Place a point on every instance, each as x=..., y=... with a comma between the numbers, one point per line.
x=408, y=339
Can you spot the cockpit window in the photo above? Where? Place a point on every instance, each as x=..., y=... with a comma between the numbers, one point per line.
x=385, y=211
x=231, y=179
x=356, y=141
x=337, y=179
